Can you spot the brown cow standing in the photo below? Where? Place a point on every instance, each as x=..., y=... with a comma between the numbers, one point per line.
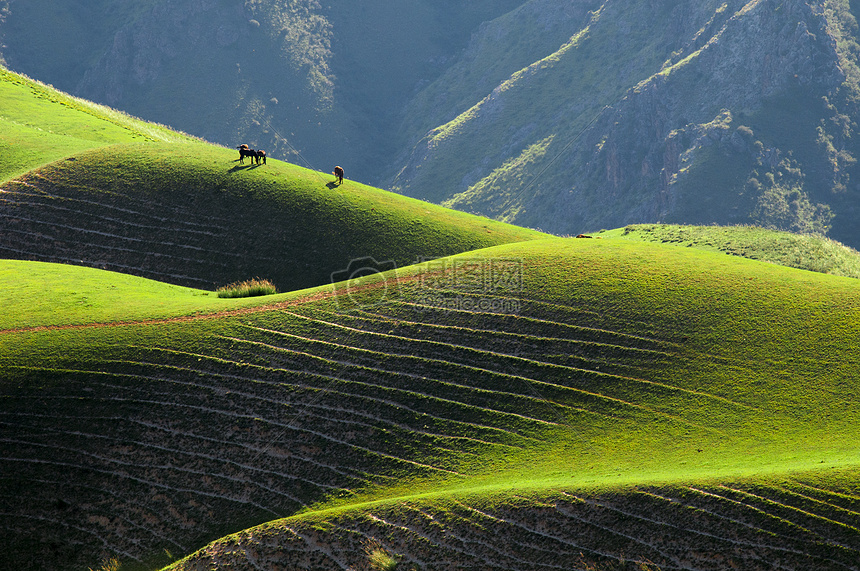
x=338, y=172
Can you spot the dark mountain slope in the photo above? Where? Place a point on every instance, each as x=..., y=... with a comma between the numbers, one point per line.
x=306, y=81
x=674, y=111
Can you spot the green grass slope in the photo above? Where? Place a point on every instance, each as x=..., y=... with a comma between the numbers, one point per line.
x=42, y=295
x=192, y=215
x=802, y=251
x=539, y=404
x=41, y=124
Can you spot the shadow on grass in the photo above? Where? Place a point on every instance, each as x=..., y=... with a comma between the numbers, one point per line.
x=238, y=168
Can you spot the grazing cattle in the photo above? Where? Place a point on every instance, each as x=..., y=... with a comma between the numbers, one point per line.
x=260, y=155
x=245, y=151
x=338, y=172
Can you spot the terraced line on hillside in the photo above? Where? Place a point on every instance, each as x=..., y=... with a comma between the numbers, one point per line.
x=590, y=366
x=39, y=205
x=132, y=246
x=488, y=358
x=328, y=388
x=305, y=406
x=56, y=202
x=144, y=208
x=178, y=452
x=348, y=364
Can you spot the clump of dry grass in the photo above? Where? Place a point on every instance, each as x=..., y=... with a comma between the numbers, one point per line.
x=379, y=558
x=247, y=288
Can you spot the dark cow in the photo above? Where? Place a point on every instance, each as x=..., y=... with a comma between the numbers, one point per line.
x=260, y=154
x=338, y=172
x=246, y=151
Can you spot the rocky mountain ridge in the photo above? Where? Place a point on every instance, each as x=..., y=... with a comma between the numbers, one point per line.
x=672, y=147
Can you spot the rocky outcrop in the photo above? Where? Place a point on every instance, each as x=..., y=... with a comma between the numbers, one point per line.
x=757, y=55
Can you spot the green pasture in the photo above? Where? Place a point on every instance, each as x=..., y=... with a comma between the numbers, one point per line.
x=758, y=374
x=760, y=380
x=803, y=251
x=646, y=356
x=749, y=374
x=38, y=294
x=755, y=384
x=279, y=221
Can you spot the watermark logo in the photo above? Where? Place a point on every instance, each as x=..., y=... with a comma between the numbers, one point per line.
x=489, y=285
x=362, y=284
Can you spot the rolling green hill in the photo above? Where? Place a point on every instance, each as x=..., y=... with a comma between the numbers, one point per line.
x=618, y=385
x=117, y=193
x=802, y=251
x=191, y=215
x=41, y=125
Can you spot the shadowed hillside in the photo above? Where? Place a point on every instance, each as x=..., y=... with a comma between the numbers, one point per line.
x=192, y=215
x=88, y=185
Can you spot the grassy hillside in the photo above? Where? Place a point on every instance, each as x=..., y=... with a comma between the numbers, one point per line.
x=90, y=186
x=41, y=125
x=802, y=251
x=191, y=215
x=595, y=385
x=518, y=401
